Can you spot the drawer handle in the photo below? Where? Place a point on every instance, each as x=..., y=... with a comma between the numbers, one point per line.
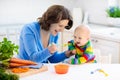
x=96, y=41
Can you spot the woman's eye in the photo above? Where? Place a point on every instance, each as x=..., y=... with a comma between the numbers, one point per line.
x=60, y=26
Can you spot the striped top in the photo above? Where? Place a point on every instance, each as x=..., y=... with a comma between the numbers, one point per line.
x=84, y=53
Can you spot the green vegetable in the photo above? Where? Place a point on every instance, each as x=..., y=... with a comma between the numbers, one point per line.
x=8, y=76
x=2, y=70
x=7, y=50
x=4, y=63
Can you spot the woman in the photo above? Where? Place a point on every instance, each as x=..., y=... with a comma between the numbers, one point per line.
x=37, y=38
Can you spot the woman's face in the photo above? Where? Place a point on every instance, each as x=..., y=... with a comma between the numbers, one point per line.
x=58, y=27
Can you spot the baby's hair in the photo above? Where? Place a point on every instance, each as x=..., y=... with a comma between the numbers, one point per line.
x=83, y=27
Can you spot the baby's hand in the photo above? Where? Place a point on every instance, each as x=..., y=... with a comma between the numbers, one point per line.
x=70, y=53
x=52, y=48
x=73, y=52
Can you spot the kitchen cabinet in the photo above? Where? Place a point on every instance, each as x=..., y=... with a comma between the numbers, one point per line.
x=107, y=40
x=107, y=48
x=11, y=32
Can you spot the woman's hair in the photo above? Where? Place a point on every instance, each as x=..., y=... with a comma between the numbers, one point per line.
x=54, y=14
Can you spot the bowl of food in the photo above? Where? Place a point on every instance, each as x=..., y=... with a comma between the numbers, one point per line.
x=61, y=68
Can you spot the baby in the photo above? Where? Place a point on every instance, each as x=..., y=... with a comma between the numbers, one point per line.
x=81, y=46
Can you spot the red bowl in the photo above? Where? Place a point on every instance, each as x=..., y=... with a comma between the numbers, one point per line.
x=61, y=68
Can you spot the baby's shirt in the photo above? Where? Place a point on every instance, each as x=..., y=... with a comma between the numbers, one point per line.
x=84, y=53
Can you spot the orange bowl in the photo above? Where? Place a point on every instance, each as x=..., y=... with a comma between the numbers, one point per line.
x=61, y=68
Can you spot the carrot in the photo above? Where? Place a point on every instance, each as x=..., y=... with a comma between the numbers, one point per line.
x=11, y=65
x=19, y=70
x=20, y=61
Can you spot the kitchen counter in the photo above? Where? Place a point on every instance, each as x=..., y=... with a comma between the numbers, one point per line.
x=105, y=32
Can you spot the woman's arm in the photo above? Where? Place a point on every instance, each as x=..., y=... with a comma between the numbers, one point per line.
x=31, y=47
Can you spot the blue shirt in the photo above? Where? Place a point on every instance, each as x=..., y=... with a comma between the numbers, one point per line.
x=31, y=47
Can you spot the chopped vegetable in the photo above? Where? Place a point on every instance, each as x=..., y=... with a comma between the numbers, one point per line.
x=20, y=70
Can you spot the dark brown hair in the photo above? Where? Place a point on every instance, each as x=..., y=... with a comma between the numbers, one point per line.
x=54, y=14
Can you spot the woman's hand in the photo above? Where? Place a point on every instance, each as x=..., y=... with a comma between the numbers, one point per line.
x=52, y=48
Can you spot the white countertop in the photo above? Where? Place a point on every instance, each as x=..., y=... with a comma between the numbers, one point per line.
x=80, y=72
x=105, y=32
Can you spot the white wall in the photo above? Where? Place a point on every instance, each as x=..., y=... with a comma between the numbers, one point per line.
x=96, y=10
x=23, y=11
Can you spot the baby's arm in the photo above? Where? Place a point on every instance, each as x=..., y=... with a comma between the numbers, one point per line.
x=71, y=45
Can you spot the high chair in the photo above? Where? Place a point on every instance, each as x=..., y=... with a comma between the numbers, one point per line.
x=104, y=59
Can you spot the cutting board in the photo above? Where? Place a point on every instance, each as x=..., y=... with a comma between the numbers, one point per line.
x=32, y=71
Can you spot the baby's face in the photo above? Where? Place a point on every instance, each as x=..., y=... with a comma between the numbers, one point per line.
x=80, y=38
